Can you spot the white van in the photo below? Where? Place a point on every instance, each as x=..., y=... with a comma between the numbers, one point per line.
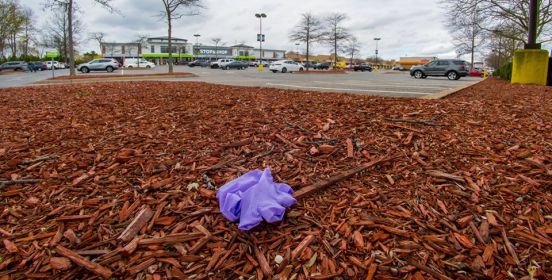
x=133, y=62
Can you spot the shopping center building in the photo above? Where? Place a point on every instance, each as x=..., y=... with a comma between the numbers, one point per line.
x=156, y=49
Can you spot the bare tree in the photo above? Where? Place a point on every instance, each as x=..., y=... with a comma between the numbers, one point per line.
x=69, y=7
x=175, y=10
x=57, y=30
x=336, y=33
x=15, y=19
x=99, y=38
x=28, y=30
x=511, y=17
x=309, y=30
x=216, y=41
x=141, y=39
x=464, y=23
x=352, y=48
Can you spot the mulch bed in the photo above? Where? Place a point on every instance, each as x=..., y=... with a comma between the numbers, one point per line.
x=111, y=76
x=11, y=72
x=321, y=72
x=118, y=180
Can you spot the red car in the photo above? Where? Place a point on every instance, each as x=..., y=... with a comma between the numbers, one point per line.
x=476, y=73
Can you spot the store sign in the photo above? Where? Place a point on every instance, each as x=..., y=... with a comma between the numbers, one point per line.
x=213, y=51
x=52, y=54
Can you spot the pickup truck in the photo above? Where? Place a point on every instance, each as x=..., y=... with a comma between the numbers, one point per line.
x=362, y=68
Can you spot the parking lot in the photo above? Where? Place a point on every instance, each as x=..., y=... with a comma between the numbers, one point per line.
x=396, y=84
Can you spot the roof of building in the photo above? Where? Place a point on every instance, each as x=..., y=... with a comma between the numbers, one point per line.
x=167, y=38
x=211, y=47
x=242, y=46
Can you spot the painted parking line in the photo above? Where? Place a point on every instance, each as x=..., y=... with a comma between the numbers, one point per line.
x=348, y=89
x=386, y=85
x=436, y=83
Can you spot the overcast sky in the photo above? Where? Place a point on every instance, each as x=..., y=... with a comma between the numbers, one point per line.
x=407, y=27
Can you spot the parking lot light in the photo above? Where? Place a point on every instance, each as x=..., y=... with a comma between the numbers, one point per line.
x=260, y=16
x=197, y=38
x=377, y=39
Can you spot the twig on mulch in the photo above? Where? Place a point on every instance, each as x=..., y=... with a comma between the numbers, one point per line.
x=3, y=184
x=424, y=122
x=338, y=178
x=39, y=159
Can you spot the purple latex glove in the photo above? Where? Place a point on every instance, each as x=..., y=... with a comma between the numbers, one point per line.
x=255, y=197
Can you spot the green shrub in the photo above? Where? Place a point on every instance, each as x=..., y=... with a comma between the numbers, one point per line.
x=504, y=72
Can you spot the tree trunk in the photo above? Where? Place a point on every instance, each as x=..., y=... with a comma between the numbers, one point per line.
x=26, y=49
x=171, y=70
x=14, y=45
x=335, y=47
x=64, y=43
x=70, y=35
x=308, y=48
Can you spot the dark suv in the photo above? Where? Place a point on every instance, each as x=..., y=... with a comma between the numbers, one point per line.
x=322, y=66
x=453, y=69
x=362, y=67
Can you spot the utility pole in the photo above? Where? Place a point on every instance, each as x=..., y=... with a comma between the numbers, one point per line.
x=260, y=37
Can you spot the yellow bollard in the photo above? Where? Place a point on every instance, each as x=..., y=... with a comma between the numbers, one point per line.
x=261, y=67
x=485, y=73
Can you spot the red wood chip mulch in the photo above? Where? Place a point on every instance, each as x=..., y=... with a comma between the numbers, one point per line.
x=118, y=181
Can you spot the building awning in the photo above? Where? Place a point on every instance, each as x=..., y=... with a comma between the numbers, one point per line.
x=246, y=57
x=166, y=55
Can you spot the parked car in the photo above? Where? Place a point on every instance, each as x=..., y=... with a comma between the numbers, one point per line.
x=309, y=65
x=50, y=64
x=15, y=66
x=199, y=63
x=108, y=65
x=40, y=66
x=362, y=67
x=397, y=68
x=133, y=62
x=453, y=69
x=285, y=66
x=264, y=63
x=221, y=62
x=240, y=65
x=476, y=72
x=322, y=66
x=62, y=65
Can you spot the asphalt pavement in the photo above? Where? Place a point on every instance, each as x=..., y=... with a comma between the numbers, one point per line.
x=391, y=83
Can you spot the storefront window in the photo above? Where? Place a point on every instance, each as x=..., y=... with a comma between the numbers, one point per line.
x=165, y=49
x=152, y=49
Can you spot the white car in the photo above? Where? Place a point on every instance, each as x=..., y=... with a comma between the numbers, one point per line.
x=50, y=63
x=285, y=66
x=133, y=62
x=221, y=63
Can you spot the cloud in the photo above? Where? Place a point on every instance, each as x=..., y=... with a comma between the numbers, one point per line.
x=406, y=27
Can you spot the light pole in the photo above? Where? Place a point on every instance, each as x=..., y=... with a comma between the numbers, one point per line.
x=197, y=38
x=196, y=46
x=377, y=40
x=298, y=56
x=533, y=17
x=260, y=37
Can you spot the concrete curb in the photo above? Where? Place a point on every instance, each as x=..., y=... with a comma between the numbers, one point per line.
x=445, y=93
x=111, y=79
